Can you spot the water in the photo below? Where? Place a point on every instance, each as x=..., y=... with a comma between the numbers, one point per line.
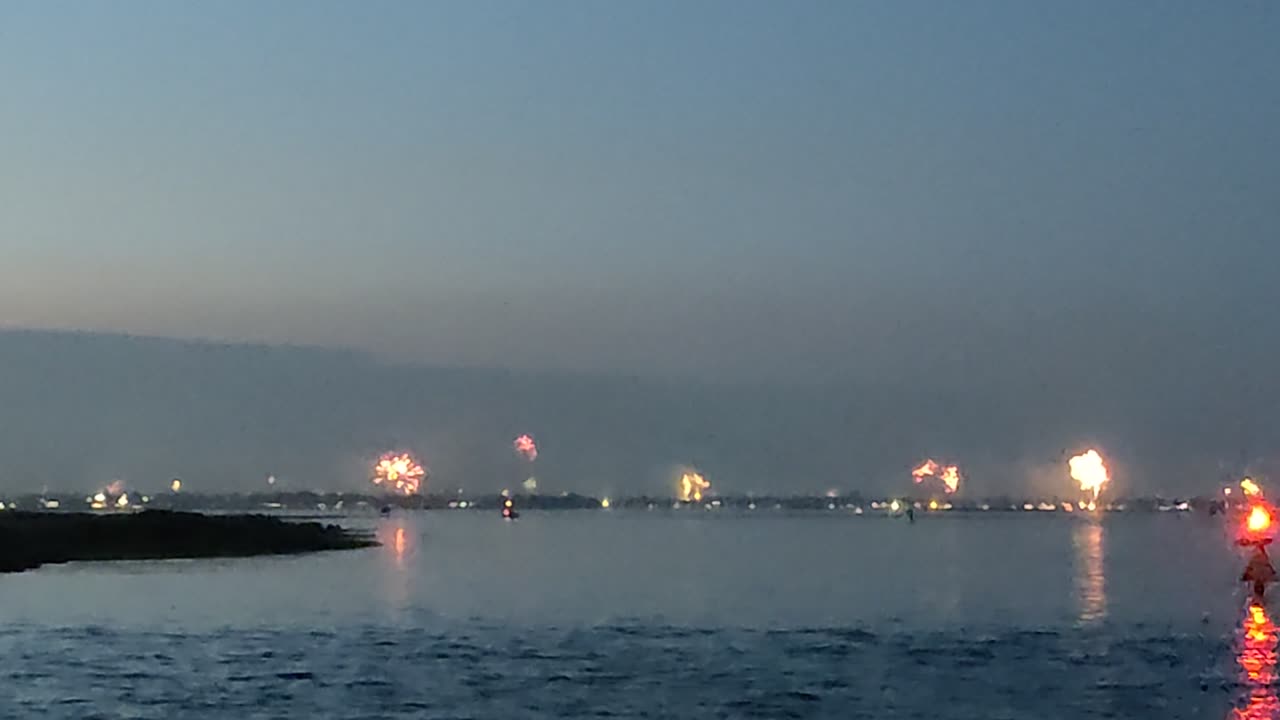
x=657, y=614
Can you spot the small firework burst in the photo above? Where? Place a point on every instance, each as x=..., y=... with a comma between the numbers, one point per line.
x=399, y=472
x=525, y=447
x=691, y=487
x=948, y=475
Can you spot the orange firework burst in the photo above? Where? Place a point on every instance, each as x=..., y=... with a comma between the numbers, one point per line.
x=1090, y=471
x=691, y=486
x=1250, y=488
x=400, y=472
x=948, y=475
x=928, y=469
x=526, y=447
x=951, y=478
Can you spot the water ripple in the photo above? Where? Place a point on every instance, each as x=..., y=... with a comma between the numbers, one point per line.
x=627, y=671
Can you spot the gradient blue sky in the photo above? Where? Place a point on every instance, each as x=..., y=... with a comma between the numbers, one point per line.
x=753, y=189
x=994, y=230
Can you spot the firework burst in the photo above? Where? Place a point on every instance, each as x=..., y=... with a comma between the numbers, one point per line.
x=948, y=475
x=692, y=486
x=525, y=447
x=1090, y=471
x=1250, y=488
x=400, y=473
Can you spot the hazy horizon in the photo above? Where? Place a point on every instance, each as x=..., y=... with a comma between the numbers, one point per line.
x=82, y=409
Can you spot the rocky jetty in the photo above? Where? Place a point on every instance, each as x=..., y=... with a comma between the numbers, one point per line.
x=31, y=539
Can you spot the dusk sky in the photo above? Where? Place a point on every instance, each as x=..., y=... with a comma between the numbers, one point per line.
x=1065, y=213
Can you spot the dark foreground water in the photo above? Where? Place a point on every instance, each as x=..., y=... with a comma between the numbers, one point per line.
x=661, y=615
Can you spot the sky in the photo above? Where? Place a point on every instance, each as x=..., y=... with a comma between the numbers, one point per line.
x=1062, y=213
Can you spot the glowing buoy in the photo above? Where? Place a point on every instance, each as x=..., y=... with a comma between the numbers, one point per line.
x=1259, y=519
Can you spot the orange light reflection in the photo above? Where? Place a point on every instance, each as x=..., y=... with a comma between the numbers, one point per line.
x=1257, y=661
x=1090, y=572
x=400, y=544
x=397, y=542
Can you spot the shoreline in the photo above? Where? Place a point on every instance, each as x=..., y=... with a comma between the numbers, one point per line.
x=333, y=504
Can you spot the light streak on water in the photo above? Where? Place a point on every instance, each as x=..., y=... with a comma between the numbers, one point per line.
x=1090, y=571
x=1256, y=658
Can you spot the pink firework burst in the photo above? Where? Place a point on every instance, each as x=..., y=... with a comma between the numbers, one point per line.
x=526, y=447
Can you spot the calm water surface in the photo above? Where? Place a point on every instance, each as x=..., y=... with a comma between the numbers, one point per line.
x=684, y=614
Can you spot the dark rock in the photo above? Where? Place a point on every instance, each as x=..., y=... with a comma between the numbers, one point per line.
x=28, y=540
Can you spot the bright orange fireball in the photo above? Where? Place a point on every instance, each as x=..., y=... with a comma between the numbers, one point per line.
x=1259, y=520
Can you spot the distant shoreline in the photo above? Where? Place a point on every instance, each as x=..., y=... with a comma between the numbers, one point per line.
x=333, y=504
